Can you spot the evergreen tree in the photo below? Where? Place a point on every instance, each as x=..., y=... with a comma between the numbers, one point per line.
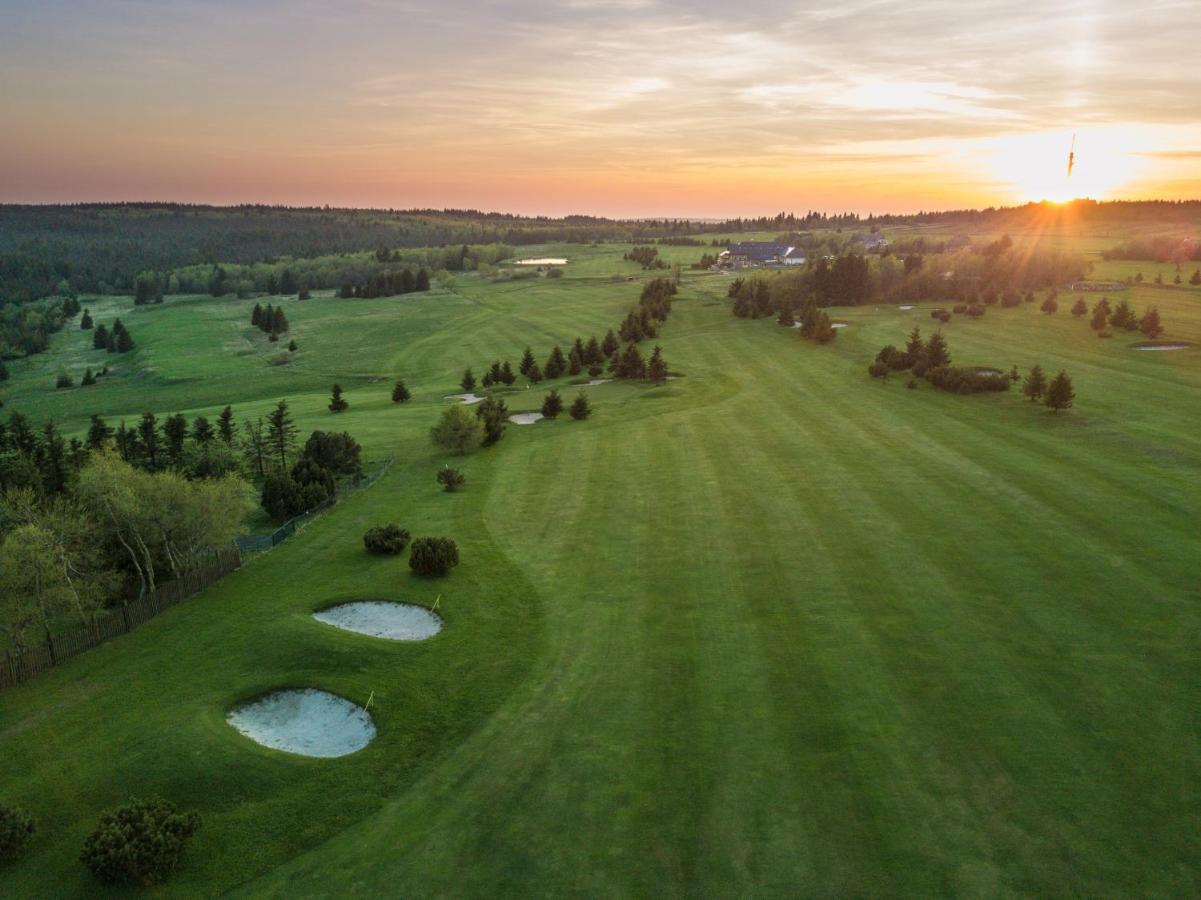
x=336, y=403
x=1035, y=384
x=575, y=362
x=3, y=371
x=1196, y=277
x=175, y=432
x=423, y=280
x=100, y=337
x=592, y=352
x=256, y=316
x=226, y=427
x=527, y=361
x=281, y=433
x=1150, y=324
x=202, y=432
x=914, y=346
x=786, y=318
x=494, y=371
x=609, y=345
x=400, y=393
x=1049, y=306
x=467, y=382
x=534, y=374
x=287, y=283
x=580, y=408
x=1100, y=316
x=63, y=380
x=556, y=364
x=823, y=331
x=279, y=322
x=656, y=369
x=88, y=378
x=506, y=373
x=52, y=460
x=291, y=346
x=124, y=342
x=631, y=364
x=85, y=324
x=937, y=353
x=1059, y=393
x=1079, y=308
x=148, y=443
x=1123, y=317
x=99, y=434
x=458, y=430
x=552, y=405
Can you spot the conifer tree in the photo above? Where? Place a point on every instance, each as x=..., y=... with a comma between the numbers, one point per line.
x=124, y=342
x=202, y=432
x=656, y=369
x=336, y=403
x=506, y=373
x=1196, y=277
x=592, y=352
x=256, y=316
x=937, y=353
x=1035, y=384
x=575, y=362
x=495, y=374
x=281, y=433
x=64, y=380
x=493, y=413
x=823, y=331
x=487, y=381
x=291, y=346
x=227, y=429
x=1150, y=324
x=88, y=378
x=556, y=364
x=1100, y=315
x=1059, y=393
x=1079, y=308
x=175, y=432
x=85, y=324
x=423, y=280
x=400, y=393
x=631, y=364
x=786, y=318
x=279, y=322
x=534, y=374
x=610, y=344
x=580, y=408
x=467, y=382
x=100, y=337
x=914, y=346
x=577, y=347
x=552, y=405
x=99, y=434
x=527, y=361
x=1049, y=306
x=148, y=441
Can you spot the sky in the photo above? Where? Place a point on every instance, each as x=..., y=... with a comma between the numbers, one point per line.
x=606, y=107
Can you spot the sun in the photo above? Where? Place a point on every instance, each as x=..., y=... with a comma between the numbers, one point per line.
x=1033, y=167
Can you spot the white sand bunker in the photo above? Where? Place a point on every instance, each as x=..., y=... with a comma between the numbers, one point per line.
x=525, y=418
x=308, y=722
x=1163, y=347
x=839, y=325
x=382, y=619
x=465, y=399
x=541, y=261
x=595, y=381
x=905, y=307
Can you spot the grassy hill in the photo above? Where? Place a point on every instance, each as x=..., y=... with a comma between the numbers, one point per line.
x=772, y=628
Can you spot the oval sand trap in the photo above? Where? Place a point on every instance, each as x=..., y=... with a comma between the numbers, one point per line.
x=382, y=619
x=905, y=307
x=1163, y=347
x=595, y=381
x=525, y=418
x=465, y=399
x=839, y=324
x=308, y=722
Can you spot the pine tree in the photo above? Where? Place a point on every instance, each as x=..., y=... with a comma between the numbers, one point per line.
x=577, y=347
x=423, y=280
x=202, y=432
x=610, y=344
x=279, y=322
x=400, y=393
x=3, y=371
x=100, y=337
x=506, y=373
x=556, y=364
x=1150, y=324
x=281, y=433
x=786, y=318
x=527, y=361
x=52, y=460
x=64, y=380
x=1035, y=384
x=494, y=415
x=148, y=443
x=88, y=379
x=291, y=346
x=552, y=405
x=1100, y=315
x=495, y=374
x=85, y=324
x=226, y=427
x=1049, y=306
x=99, y=434
x=1079, y=308
x=580, y=408
x=937, y=353
x=1196, y=277
x=631, y=364
x=175, y=432
x=534, y=374
x=592, y=352
x=1059, y=393
x=124, y=342
x=336, y=403
x=575, y=362
x=256, y=316
x=914, y=346
x=467, y=382
x=656, y=369
x=823, y=331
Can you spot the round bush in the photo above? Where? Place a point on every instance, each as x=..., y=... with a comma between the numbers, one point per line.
x=141, y=843
x=433, y=556
x=16, y=829
x=451, y=479
x=386, y=539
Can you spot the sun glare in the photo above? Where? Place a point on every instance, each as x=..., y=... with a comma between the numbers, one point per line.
x=1035, y=166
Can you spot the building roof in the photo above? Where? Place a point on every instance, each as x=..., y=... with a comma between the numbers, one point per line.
x=759, y=251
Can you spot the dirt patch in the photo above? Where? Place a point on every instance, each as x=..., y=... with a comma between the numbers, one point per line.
x=382, y=619
x=307, y=722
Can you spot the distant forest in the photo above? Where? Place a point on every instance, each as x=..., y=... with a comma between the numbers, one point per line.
x=50, y=251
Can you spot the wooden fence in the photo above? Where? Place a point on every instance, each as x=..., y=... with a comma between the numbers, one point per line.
x=16, y=667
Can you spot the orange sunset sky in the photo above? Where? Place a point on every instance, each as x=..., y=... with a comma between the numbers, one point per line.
x=613, y=107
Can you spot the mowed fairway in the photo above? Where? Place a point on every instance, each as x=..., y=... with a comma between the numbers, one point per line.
x=770, y=629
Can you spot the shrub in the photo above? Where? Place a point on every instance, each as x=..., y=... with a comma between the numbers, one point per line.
x=965, y=381
x=960, y=308
x=433, y=556
x=386, y=540
x=451, y=479
x=16, y=830
x=141, y=843
x=63, y=381
x=457, y=431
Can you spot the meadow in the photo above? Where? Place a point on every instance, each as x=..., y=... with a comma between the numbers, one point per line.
x=772, y=628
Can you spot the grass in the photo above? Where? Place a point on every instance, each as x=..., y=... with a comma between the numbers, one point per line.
x=773, y=628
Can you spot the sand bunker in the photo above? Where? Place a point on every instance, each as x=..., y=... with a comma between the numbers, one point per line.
x=308, y=722
x=595, y=381
x=465, y=399
x=541, y=261
x=839, y=325
x=904, y=307
x=1163, y=347
x=525, y=418
x=382, y=619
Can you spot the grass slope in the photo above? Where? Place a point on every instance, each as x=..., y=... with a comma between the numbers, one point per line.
x=771, y=628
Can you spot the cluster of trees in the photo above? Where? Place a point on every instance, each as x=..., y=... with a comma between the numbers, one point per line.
x=1162, y=248
x=753, y=300
x=270, y=320
x=1122, y=317
x=115, y=340
x=312, y=480
x=26, y=330
x=387, y=283
x=1055, y=394
x=647, y=257
x=139, y=844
